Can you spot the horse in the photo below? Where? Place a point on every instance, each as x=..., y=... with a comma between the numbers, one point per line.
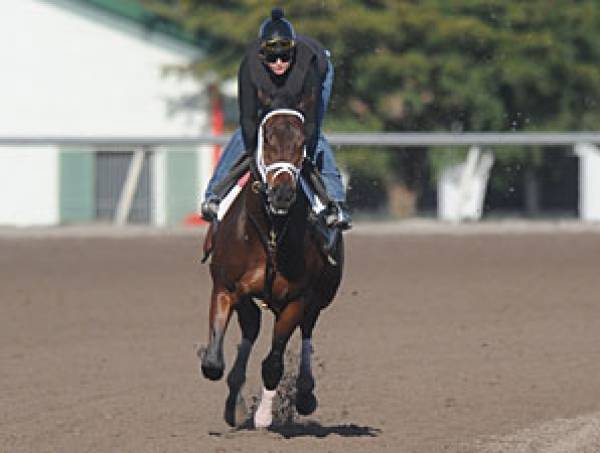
x=265, y=249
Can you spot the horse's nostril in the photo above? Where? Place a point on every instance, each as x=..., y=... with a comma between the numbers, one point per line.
x=288, y=196
x=282, y=196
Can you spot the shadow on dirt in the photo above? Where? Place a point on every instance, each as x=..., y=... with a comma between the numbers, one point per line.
x=314, y=429
x=309, y=429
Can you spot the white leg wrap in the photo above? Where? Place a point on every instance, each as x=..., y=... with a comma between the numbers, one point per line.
x=264, y=414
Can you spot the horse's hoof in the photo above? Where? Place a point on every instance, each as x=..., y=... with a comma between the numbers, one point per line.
x=305, y=384
x=236, y=413
x=212, y=373
x=306, y=403
x=212, y=368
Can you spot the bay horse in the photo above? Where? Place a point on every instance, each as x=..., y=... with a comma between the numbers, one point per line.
x=265, y=249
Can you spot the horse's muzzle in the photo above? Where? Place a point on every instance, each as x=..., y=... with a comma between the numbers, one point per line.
x=281, y=198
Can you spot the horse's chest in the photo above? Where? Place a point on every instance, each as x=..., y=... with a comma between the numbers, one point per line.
x=283, y=288
x=270, y=282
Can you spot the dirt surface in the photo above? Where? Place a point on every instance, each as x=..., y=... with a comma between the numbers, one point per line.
x=435, y=343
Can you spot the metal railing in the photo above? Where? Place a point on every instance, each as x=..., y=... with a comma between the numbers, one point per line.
x=141, y=145
x=414, y=139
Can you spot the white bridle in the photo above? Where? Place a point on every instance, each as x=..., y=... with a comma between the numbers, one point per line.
x=277, y=167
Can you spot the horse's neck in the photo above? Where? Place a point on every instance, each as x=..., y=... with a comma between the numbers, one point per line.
x=288, y=231
x=291, y=254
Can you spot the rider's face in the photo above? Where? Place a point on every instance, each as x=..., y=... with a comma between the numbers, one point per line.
x=279, y=67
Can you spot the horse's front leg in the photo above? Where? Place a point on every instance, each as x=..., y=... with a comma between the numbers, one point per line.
x=306, y=402
x=249, y=320
x=211, y=357
x=272, y=366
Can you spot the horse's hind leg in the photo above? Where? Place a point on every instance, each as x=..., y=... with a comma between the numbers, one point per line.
x=249, y=320
x=306, y=402
x=272, y=366
x=211, y=357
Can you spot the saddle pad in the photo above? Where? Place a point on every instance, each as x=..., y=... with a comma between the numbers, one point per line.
x=232, y=195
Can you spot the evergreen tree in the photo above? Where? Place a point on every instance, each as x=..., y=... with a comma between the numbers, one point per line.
x=429, y=65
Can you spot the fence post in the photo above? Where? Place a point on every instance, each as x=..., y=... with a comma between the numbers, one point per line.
x=589, y=183
x=129, y=187
x=462, y=187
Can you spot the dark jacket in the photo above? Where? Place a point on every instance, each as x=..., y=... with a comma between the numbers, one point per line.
x=259, y=90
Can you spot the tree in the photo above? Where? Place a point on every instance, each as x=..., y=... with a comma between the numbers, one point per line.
x=445, y=65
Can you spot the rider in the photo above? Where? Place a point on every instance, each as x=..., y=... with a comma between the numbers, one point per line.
x=282, y=65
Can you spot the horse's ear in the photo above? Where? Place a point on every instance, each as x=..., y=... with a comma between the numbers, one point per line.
x=306, y=103
x=264, y=98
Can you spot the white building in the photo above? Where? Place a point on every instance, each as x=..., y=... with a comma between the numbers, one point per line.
x=94, y=68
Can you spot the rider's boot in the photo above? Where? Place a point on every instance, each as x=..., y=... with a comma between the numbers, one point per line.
x=209, y=209
x=336, y=213
x=210, y=206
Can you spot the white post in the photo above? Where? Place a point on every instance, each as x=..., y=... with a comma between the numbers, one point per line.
x=129, y=187
x=465, y=184
x=461, y=189
x=589, y=181
x=159, y=187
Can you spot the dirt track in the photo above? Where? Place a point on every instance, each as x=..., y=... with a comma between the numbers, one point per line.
x=435, y=344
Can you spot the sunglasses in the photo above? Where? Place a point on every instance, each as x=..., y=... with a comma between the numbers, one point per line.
x=273, y=57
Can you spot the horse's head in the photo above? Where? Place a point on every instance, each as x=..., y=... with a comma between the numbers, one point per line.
x=280, y=159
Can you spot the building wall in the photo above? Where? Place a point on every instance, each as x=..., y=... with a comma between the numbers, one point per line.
x=68, y=70
x=71, y=70
x=29, y=186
